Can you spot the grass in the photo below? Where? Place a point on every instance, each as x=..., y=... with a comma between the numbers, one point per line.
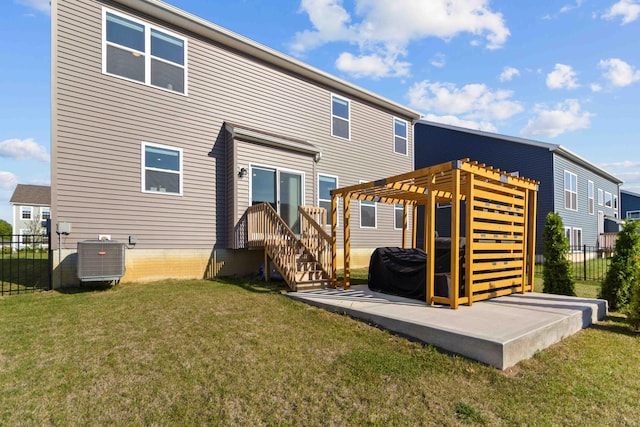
x=22, y=271
x=241, y=353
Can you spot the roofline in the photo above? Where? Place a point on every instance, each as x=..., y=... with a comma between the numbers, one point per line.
x=551, y=147
x=631, y=193
x=173, y=15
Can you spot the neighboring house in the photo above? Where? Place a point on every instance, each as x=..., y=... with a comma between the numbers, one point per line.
x=629, y=205
x=31, y=205
x=581, y=192
x=166, y=128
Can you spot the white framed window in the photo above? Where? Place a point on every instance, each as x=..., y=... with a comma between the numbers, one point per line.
x=161, y=169
x=607, y=199
x=400, y=136
x=368, y=213
x=574, y=237
x=591, y=201
x=615, y=202
x=45, y=213
x=398, y=217
x=600, y=197
x=26, y=212
x=633, y=215
x=137, y=51
x=24, y=236
x=340, y=117
x=570, y=191
x=326, y=183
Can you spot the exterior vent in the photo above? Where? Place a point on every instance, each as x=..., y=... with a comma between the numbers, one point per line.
x=100, y=260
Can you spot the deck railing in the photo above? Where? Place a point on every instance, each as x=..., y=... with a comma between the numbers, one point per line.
x=313, y=223
x=266, y=229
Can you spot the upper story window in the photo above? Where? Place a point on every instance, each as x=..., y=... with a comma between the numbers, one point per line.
x=143, y=53
x=25, y=212
x=326, y=183
x=591, y=200
x=615, y=202
x=45, y=213
x=161, y=169
x=400, y=136
x=633, y=215
x=607, y=199
x=340, y=117
x=600, y=197
x=570, y=191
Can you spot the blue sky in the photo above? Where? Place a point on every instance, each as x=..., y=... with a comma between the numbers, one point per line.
x=565, y=72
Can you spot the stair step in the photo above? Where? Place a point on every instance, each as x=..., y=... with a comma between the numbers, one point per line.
x=312, y=285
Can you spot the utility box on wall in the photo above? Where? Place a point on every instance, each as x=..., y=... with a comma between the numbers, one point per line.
x=100, y=260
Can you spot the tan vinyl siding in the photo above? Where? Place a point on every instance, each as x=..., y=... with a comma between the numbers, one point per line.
x=101, y=121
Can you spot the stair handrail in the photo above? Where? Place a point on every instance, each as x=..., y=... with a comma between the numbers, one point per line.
x=270, y=231
x=314, y=237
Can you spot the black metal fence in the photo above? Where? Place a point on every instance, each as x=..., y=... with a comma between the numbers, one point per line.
x=26, y=263
x=588, y=263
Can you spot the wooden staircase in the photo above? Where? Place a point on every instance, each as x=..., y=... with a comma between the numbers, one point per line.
x=303, y=261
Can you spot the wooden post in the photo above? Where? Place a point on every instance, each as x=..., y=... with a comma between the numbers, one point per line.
x=266, y=266
x=531, y=253
x=468, y=255
x=334, y=239
x=414, y=228
x=405, y=214
x=525, y=243
x=347, y=241
x=430, y=243
x=455, y=238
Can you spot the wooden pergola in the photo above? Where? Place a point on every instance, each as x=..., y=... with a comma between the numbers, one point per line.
x=500, y=225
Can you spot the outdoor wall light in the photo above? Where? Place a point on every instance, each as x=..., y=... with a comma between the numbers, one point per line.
x=243, y=172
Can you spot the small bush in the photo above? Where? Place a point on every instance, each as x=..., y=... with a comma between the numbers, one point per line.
x=556, y=273
x=624, y=271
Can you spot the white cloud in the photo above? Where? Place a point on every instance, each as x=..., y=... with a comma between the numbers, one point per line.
x=629, y=10
x=564, y=117
x=562, y=77
x=508, y=73
x=383, y=29
x=623, y=164
x=569, y=7
x=471, y=102
x=23, y=149
x=618, y=72
x=39, y=5
x=374, y=65
x=8, y=180
x=455, y=121
x=595, y=87
x=439, y=60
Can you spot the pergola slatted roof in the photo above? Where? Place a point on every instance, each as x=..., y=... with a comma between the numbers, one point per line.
x=413, y=187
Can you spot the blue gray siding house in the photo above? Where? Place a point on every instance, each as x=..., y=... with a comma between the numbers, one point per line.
x=581, y=192
x=629, y=204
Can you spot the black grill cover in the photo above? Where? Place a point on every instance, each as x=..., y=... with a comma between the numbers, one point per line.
x=398, y=271
x=402, y=272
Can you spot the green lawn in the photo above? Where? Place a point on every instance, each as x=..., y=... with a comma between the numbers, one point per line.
x=241, y=353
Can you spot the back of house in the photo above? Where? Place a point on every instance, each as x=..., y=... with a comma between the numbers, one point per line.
x=167, y=127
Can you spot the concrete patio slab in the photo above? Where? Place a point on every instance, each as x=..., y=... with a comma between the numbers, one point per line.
x=499, y=332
